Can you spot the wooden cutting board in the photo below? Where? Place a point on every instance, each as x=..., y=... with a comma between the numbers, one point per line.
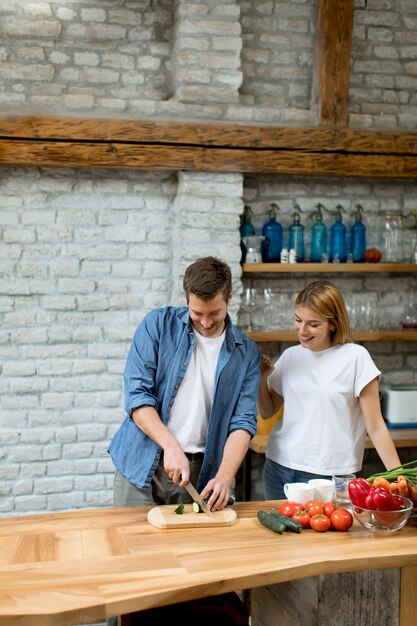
x=165, y=517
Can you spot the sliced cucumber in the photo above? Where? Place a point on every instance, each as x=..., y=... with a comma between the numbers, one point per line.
x=180, y=509
x=197, y=508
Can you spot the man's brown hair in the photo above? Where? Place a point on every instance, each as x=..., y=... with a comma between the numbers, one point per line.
x=207, y=277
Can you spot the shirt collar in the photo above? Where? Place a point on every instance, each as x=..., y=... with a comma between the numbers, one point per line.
x=232, y=334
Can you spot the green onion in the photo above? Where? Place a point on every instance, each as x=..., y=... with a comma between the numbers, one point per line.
x=408, y=470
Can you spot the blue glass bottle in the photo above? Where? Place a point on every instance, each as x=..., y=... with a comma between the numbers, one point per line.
x=338, y=239
x=272, y=230
x=358, y=236
x=318, y=237
x=246, y=229
x=296, y=235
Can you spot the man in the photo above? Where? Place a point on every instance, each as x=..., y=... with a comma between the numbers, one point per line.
x=191, y=381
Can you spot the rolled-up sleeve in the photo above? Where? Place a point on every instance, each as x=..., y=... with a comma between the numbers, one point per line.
x=141, y=364
x=245, y=414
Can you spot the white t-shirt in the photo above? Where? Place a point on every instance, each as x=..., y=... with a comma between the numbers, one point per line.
x=323, y=429
x=191, y=410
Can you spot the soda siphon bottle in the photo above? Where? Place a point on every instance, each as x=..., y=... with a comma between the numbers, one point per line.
x=338, y=240
x=246, y=229
x=358, y=236
x=318, y=236
x=296, y=235
x=272, y=244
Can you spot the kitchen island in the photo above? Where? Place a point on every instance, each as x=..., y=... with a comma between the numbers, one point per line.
x=82, y=566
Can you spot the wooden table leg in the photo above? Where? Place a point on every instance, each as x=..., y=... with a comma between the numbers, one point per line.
x=370, y=597
x=408, y=595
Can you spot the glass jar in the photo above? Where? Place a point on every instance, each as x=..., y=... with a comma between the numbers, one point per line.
x=409, y=245
x=392, y=236
x=409, y=320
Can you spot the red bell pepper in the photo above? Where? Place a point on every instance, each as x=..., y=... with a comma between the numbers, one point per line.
x=398, y=500
x=358, y=490
x=380, y=499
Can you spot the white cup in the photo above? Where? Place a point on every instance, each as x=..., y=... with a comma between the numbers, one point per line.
x=299, y=492
x=323, y=489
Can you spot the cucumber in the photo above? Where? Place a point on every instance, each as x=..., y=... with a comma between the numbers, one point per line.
x=180, y=509
x=197, y=508
x=269, y=522
x=289, y=523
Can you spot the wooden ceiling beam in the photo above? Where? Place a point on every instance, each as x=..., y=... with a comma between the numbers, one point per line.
x=209, y=158
x=217, y=134
x=329, y=149
x=330, y=91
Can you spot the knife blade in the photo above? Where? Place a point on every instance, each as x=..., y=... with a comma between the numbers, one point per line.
x=197, y=498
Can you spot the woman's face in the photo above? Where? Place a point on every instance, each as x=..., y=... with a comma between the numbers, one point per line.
x=312, y=329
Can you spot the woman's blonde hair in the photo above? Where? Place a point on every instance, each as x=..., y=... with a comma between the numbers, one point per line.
x=325, y=299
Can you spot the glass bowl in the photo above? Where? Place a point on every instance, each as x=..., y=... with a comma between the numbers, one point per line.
x=384, y=521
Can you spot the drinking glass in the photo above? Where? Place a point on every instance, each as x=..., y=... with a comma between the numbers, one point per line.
x=283, y=311
x=247, y=308
x=341, y=482
x=352, y=311
x=258, y=312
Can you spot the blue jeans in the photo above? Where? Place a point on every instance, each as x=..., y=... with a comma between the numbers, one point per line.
x=276, y=475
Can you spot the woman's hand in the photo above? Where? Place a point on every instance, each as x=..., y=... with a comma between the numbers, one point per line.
x=266, y=366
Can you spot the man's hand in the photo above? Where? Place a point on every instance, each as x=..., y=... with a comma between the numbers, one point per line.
x=176, y=465
x=216, y=493
x=175, y=462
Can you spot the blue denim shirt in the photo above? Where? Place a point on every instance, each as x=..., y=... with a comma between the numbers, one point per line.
x=160, y=352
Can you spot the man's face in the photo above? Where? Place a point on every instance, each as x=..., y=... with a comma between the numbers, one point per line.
x=208, y=317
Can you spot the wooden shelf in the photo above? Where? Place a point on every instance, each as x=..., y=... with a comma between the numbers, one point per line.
x=402, y=438
x=262, y=336
x=306, y=268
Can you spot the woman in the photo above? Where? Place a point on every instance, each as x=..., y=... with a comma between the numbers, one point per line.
x=330, y=389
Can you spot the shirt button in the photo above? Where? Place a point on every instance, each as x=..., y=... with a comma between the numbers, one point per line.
x=185, y=363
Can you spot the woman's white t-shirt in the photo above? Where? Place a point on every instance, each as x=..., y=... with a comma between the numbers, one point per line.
x=323, y=429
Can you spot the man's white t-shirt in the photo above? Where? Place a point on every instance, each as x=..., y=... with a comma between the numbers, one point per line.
x=191, y=410
x=323, y=429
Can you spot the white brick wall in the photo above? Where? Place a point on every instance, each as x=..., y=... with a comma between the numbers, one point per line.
x=84, y=254
x=78, y=274
x=234, y=60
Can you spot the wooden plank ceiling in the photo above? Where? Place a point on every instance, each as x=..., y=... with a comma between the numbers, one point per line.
x=329, y=149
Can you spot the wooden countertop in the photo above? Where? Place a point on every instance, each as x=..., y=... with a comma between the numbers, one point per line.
x=402, y=437
x=81, y=566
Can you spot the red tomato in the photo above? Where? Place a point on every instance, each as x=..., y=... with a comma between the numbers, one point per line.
x=314, y=507
x=303, y=518
x=320, y=523
x=289, y=508
x=328, y=508
x=341, y=519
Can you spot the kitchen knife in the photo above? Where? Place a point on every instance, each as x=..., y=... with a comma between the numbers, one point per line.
x=197, y=498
